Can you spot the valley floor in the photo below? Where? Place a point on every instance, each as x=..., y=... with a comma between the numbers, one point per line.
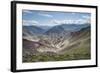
x=72, y=54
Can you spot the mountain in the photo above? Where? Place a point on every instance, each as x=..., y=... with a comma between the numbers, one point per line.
x=31, y=30
x=65, y=28
x=73, y=46
x=79, y=43
x=73, y=27
x=84, y=32
x=55, y=30
x=44, y=27
x=30, y=47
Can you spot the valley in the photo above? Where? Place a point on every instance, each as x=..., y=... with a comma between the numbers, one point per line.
x=59, y=43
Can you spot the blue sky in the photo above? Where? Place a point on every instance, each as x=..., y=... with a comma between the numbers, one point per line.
x=52, y=18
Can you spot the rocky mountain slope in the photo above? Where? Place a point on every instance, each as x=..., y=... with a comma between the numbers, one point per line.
x=59, y=40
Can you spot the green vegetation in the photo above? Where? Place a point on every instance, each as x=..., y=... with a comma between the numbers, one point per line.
x=71, y=54
x=42, y=57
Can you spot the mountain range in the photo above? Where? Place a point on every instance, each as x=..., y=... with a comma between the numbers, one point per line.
x=64, y=39
x=54, y=29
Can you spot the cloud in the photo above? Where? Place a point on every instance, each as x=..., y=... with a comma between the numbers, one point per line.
x=70, y=21
x=86, y=17
x=27, y=11
x=45, y=15
x=73, y=13
x=29, y=22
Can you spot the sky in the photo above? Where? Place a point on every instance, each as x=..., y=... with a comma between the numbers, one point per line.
x=52, y=18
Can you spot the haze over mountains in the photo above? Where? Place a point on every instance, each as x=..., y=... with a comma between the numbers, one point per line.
x=57, y=40
x=45, y=29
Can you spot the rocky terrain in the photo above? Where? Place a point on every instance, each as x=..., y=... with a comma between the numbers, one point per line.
x=58, y=43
